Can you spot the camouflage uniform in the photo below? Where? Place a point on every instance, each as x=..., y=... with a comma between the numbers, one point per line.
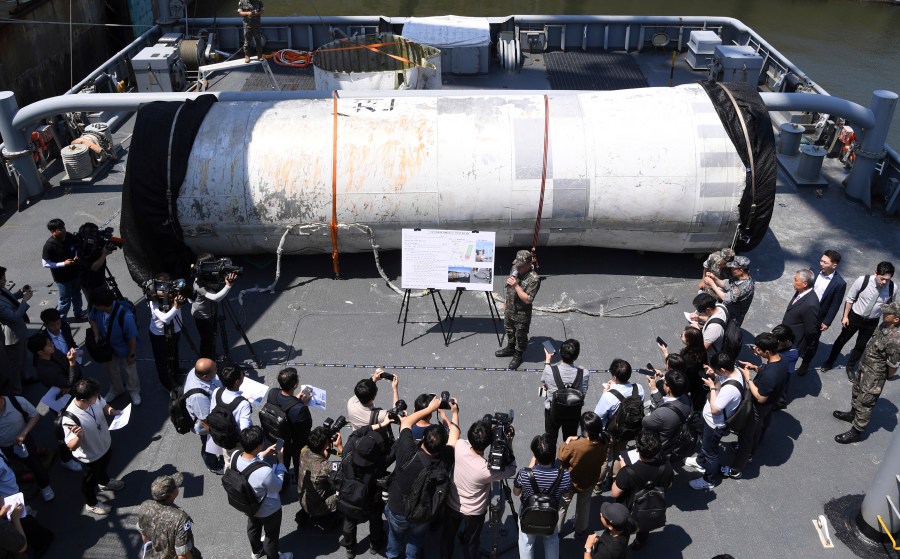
x=168, y=527
x=882, y=351
x=517, y=319
x=251, y=25
x=317, y=495
x=715, y=263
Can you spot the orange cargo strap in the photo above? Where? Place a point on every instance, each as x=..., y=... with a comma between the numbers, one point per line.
x=334, y=228
x=374, y=48
x=537, y=223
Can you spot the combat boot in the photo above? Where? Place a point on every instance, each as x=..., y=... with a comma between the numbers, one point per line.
x=515, y=362
x=850, y=436
x=259, y=54
x=506, y=351
x=843, y=415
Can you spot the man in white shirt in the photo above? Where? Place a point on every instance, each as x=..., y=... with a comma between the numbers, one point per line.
x=362, y=404
x=203, y=378
x=165, y=330
x=713, y=331
x=231, y=378
x=724, y=398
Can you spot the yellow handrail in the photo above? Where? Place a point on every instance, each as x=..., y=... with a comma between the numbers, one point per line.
x=886, y=531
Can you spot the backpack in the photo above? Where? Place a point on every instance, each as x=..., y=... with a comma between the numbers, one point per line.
x=425, y=500
x=625, y=424
x=865, y=284
x=567, y=401
x=274, y=420
x=353, y=492
x=648, y=506
x=683, y=442
x=540, y=511
x=181, y=419
x=744, y=411
x=732, y=336
x=237, y=486
x=223, y=428
x=58, y=427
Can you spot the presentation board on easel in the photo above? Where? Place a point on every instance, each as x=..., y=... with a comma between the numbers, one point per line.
x=447, y=259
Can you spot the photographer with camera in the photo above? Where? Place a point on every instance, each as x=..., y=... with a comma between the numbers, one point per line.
x=642, y=485
x=316, y=492
x=94, y=246
x=13, y=319
x=564, y=387
x=422, y=401
x=542, y=485
x=364, y=461
x=361, y=409
x=61, y=258
x=166, y=298
x=285, y=415
x=471, y=488
x=203, y=310
x=421, y=481
x=584, y=457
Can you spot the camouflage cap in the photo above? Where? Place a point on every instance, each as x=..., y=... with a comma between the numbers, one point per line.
x=740, y=262
x=163, y=486
x=727, y=254
x=522, y=257
x=891, y=308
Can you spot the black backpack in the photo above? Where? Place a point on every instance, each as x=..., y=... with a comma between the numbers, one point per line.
x=683, y=442
x=237, y=486
x=58, y=427
x=427, y=497
x=732, y=337
x=566, y=404
x=540, y=510
x=222, y=426
x=648, y=506
x=744, y=411
x=625, y=424
x=178, y=413
x=273, y=418
x=865, y=284
x=354, y=496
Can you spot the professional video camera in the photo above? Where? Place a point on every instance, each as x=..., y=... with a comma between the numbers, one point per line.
x=91, y=241
x=394, y=413
x=334, y=426
x=211, y=274
x=171, y=290
x=501, y=449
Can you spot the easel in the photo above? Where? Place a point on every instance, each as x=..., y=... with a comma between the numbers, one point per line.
x=454, y=305
x=407, y=296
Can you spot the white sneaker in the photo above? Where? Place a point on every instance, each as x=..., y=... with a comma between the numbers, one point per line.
x=691, y=462
x=700, y=484
x=47, y=493
x=135, y=398
x=113, y=485
x=71, y=465
x=110, y=396
x=98, y=509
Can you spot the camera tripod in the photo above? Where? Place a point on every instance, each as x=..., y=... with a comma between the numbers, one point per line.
x=221, y=309
x=500, y=495
x=173, y=366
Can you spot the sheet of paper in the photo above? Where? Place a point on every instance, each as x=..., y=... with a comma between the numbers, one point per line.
x=319, y=397
x=212, y=447
x=17, y=498
x=54, y=401
x=120, y=421
x=254, y=390
x=688, y=317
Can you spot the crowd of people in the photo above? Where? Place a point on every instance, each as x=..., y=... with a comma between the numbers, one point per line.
x=408, y=473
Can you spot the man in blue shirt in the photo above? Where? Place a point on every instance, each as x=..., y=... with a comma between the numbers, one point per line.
x=123, y=338
x=545, y=469
x=620, y=370
x=203, y=377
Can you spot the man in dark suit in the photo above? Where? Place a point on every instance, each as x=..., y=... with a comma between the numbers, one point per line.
x=802, y=314
x=13, y=307
x=829, y=288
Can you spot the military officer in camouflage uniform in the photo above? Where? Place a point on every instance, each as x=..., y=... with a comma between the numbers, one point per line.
x=879, y=363
x=251, y=10
x=521, y=288
x=164, y=525
x=717, y=263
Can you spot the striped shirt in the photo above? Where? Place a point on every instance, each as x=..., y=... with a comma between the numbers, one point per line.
x=544, y=476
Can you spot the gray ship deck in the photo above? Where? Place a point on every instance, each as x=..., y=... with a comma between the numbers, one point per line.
x=334, y=332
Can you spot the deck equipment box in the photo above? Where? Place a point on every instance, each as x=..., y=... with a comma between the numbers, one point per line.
x=464, y=42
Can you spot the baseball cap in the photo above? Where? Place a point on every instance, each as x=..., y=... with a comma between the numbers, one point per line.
x=364, y=452
x=740, y=262
x=163, y=486
x=522, y=257
x=616, y=514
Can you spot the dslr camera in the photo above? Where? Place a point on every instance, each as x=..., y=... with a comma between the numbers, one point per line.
x=334, y=426
x=395, y=412
x=501, y=449
x=91, y=241
x=446, y=400
x=212, y=273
